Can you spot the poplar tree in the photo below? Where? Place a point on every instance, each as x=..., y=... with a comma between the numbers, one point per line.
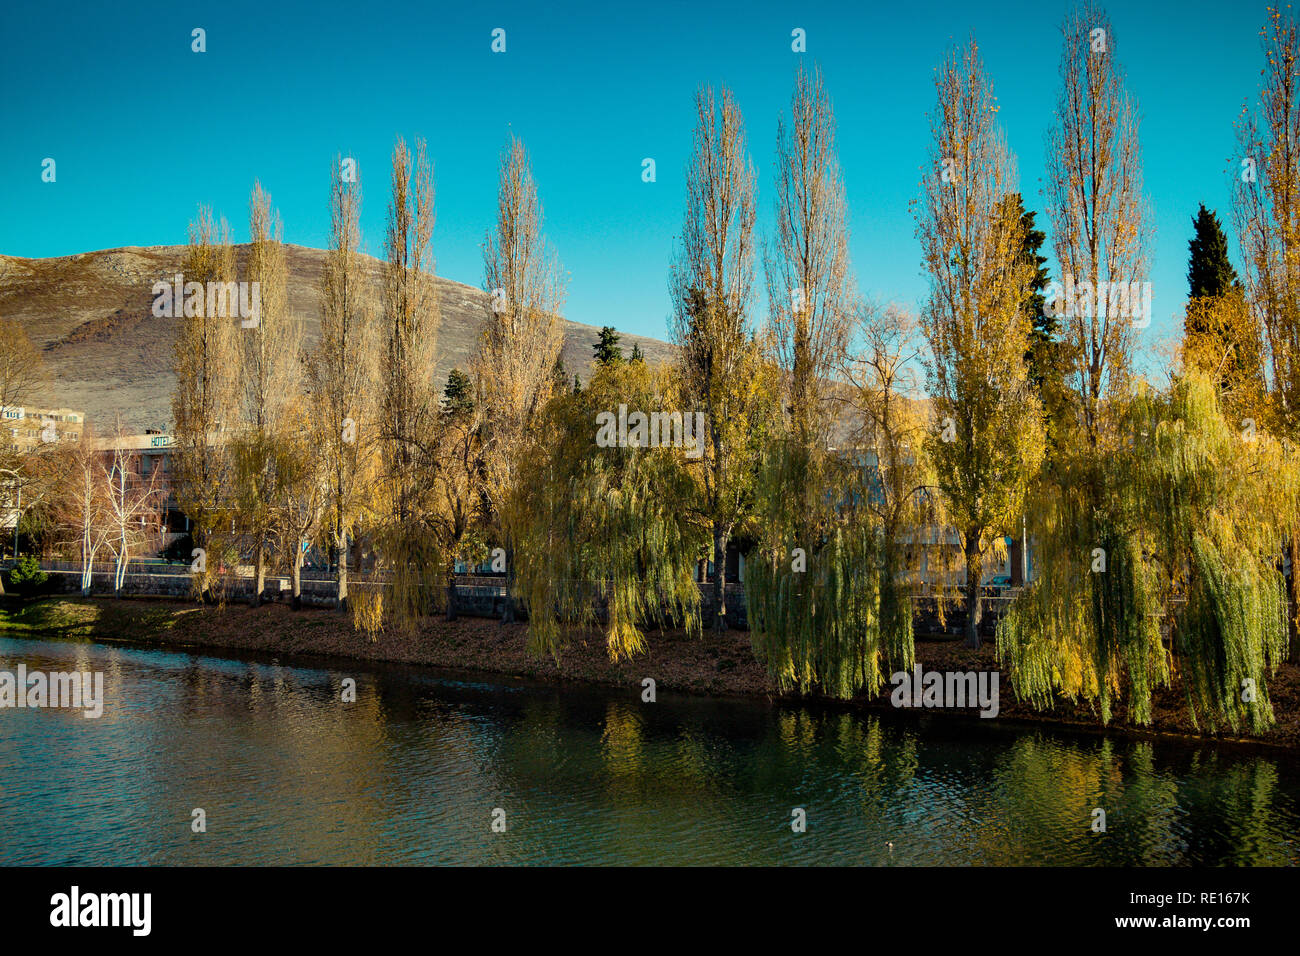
x=814, y=583
x=521, y=340
x=269, y=389
x=712, y=282
x=343, y=370
x=408, y=400
x=205, y=362
x=1266, y=213
x=988, y=439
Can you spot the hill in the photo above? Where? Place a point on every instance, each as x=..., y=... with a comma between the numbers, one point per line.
x=107, y=354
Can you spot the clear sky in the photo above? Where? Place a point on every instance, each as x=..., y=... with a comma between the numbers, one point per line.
x=143, y=130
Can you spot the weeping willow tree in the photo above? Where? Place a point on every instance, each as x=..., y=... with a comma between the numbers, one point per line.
x=601, y=512
x=815, y=584
x=1178, y=574
x=818, y=581
x=842, y=531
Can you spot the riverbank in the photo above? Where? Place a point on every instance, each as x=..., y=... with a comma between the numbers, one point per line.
x=713, y=664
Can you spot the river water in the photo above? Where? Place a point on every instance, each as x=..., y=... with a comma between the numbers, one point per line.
x=417, y=769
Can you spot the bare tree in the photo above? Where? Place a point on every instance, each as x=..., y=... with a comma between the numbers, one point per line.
x=523, y=335
x=1097, y=210
x=303, y=492
x=21, y=370
x=988, y=442
x=82, y=507
x=132, y=504
x=21, y=373
x=712, y=283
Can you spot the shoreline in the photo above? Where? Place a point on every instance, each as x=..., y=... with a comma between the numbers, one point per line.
x=715, y=666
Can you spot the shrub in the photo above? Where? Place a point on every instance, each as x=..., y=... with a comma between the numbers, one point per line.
x=26, y=576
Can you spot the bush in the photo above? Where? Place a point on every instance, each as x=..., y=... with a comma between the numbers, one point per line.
x=26, y=576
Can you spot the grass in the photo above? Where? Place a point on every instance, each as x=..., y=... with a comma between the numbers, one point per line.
x=86, y=617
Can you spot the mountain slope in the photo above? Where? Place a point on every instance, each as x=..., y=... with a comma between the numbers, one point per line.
x=107, y=354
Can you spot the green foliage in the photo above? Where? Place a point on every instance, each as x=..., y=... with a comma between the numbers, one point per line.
x=1209, y=267
x=828, y=605
x=26, y=575
x=606, y=349
x=605, y=525
x=1044, y=329
x=458, y=394
x=1189, y=513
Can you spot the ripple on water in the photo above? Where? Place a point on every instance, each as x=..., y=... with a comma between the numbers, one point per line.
x=412, y=771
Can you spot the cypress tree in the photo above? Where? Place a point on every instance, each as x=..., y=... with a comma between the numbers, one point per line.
x=1209, y=270
x=1043, y=327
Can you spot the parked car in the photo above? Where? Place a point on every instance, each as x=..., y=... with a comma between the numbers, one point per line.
x=1000, y=581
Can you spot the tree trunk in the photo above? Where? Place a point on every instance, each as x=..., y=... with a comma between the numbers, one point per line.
x=1293, y=602
x=87, y=570
x=508, y=608
x=719, y=578
x=341, y=573
x=297, y=578
x=974, y=606
x=259, y=578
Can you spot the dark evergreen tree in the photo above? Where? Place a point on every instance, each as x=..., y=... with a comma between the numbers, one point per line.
x=1043, y=327
x=1209, y=270
x=637, y=354
x=607, y=349
x=458, y=395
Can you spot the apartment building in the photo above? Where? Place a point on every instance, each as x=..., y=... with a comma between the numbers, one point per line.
x=23, y=428
x=149, y=460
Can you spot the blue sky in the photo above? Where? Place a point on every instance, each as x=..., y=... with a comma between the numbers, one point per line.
x=143, y=129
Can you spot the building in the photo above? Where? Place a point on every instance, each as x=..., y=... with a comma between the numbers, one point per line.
x=23, y=428
x=149, y=457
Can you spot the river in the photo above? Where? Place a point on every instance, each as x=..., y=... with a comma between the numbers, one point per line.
x=417, y=769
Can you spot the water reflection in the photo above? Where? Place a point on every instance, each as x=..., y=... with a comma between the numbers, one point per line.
x=410, y=773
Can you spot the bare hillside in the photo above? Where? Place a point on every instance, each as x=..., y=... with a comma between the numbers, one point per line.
x=106, y=353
